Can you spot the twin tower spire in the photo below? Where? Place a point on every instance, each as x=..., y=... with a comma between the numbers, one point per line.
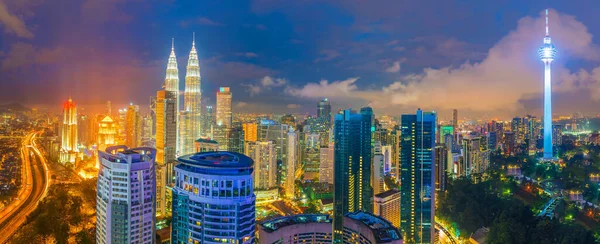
x=189, y=118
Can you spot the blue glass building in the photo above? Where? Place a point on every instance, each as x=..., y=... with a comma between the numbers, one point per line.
x=213, y=199
x=417, y=176
x=352, y=166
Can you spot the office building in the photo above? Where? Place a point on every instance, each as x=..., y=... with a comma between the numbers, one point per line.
x=445, y=130
x=291, y=162
x=441, y=166
x=324, y=109
x=208, y=121
x=352, y=166
x=125, y=209
x=417, y=176
x=235, y=139
x=224, y=116
x=311, y=156
x=359, y=227
x=250, y=131
x=326, y=164
x=192, y=102
x=69, y=150
x=213, y=199
x=387, y=206
x=476, y=155
x=263, y=154
x=166, y=147
x=378, y=170
x=186, y=145
x=107, y=132
x=133, y=126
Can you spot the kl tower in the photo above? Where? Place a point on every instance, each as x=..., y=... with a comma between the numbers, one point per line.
x=547, y=53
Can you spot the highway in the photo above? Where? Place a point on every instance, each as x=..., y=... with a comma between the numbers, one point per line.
x=35, y=171
x=446, y=233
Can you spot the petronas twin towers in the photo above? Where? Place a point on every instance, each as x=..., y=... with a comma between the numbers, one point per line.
x=189, y=118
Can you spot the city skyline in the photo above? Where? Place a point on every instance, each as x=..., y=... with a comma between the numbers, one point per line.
x=421, y=60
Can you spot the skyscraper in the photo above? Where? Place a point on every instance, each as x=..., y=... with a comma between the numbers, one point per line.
x=378, y=169
x=192, y=100
x=224, y=107
x=352, y=166
x=235, y=139
x=455, y=124
x=264, y=155
x=213, y=199
x=133, y=126
x=107, y=132
x=208, y=121
x=69, y=150
x=547, y=53
x=172, y=85
x=326, y=164
x=166, y=146
x=324, y=109
x=417, y=176
x=311, y=155
x=292, y=161
x=387, y=206
x=125, y=210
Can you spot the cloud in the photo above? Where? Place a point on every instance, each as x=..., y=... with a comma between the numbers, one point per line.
x=399, y=49
x=200, y=21
x=247, y=54
x=266, y=83
x=327, y=55
x=394, y=68
x=510, y=73
x=392, y=43
x=23, y=55
x=341, y=88
x=294, y=106
x=241, y=105
x=13, y=24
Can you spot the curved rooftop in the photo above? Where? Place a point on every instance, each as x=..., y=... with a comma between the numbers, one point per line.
x=220, y=159
x=278, y=223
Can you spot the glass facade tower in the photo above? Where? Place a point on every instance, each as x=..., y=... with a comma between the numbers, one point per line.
x=417, y=176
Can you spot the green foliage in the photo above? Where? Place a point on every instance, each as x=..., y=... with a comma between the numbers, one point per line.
x=472, y=206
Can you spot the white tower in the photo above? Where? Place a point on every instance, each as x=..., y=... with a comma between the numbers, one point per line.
x=547, y=53
x=192, y=101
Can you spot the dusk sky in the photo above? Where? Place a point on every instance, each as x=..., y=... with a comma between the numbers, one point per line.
x=477, y=56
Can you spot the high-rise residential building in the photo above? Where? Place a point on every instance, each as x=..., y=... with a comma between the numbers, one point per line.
x=192, y=101
x=557, y=134
x=509, y=142
x=547, y=53
x=235, y=139
x=133, y=126
x=69, y=150
x=326, y=164
x=417, y=176
x=264, y=155
x=455, y=124
x=224, y=116
x=476, y=155
x=321, y=126
x=122, y=121
x=387, y=158
x=166, y=147
x=125, y=209
x=378, y=173
x=250, y=131
x=441, y=166
x=208, y=121
x=352, y=166
x=324, y=109
x=292, y=161
x=387, y=206
x=271, y=131
x=213, y=199
x=107, y=132
x=311, y=156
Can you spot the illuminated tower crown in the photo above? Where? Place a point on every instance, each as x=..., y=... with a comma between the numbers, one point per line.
x=547, y=51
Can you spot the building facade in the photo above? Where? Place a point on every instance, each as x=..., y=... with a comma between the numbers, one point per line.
x=213, y=199
x=387, y=206
x=125, y=210
x=224, y=115
x=326, y=164
x=417, y=176
x=192, y=102
x=265, y=163
x=166, y=147
x=352, y=166
x=69, y=150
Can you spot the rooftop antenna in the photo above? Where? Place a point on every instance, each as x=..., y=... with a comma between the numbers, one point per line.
x=547, y=32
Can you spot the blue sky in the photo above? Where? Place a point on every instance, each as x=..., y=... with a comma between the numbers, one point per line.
x=281, y=56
